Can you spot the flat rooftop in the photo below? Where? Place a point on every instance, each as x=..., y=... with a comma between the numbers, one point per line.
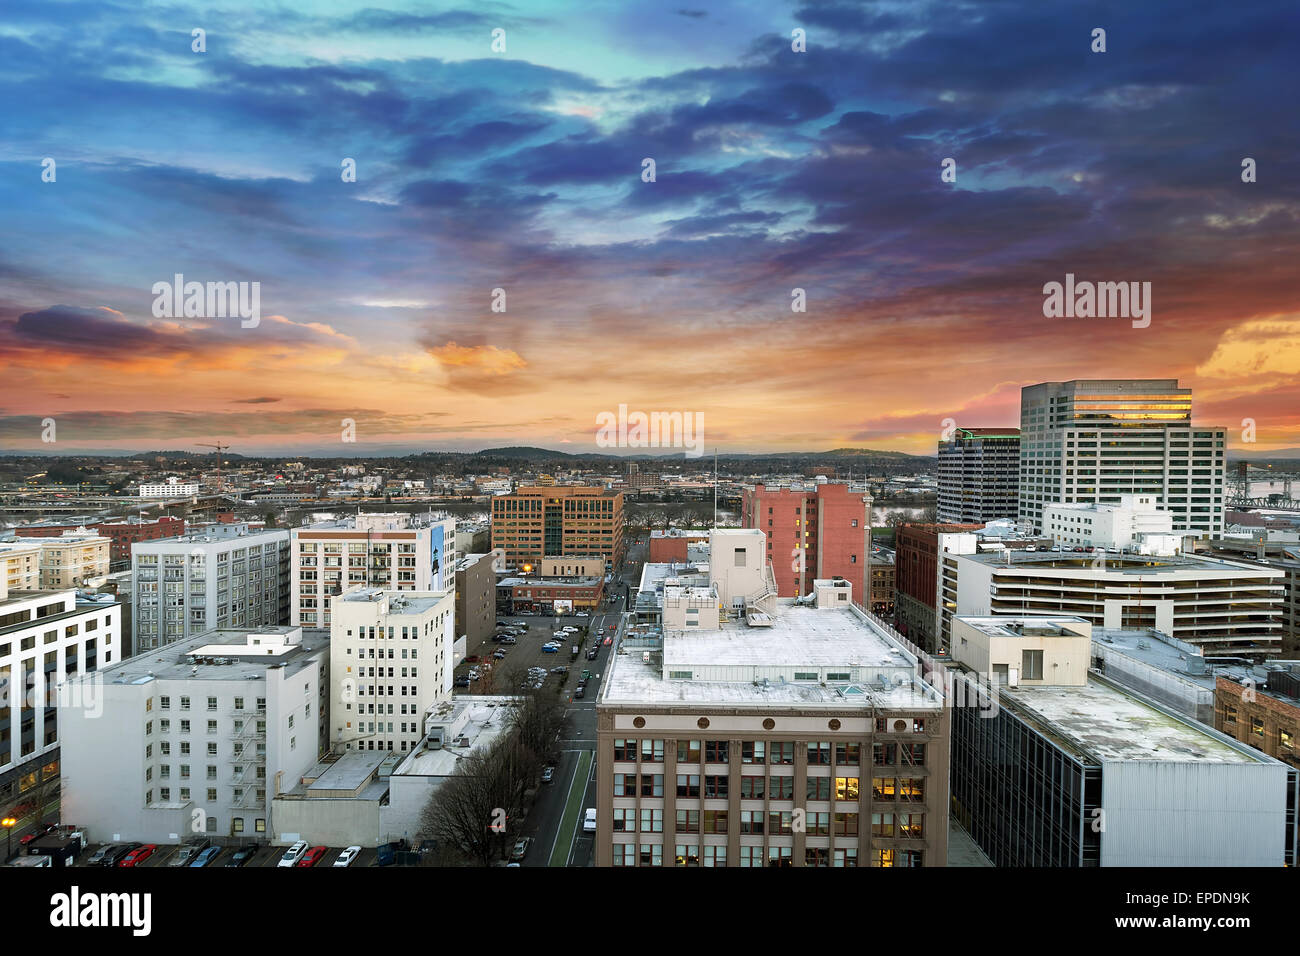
x=1115, y=563
x=839, y=639
x=229, y=645
x=413, y=602
x=1029, y=626
x=489, y=717
x=1103, y=722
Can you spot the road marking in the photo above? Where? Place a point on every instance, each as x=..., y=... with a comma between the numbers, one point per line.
x=571, y=811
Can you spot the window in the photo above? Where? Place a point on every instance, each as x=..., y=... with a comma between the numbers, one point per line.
x=883, y=788
x=624, y=749
x=164, y=703
x=846, y=788
x=782, y=753
x=624, y=820
x=819, y=752
x=652, y=854
x=1257, y=727
x=652, y=784
x=780, y=821
x=688, y=854
x=185, y=703
x=779, y=856
x=1286, y=739
x=912, y=789
x=624, y=853
x=753, y=751
x=212, y=703
x=715, y=856
x=1229, y=714
x=652, y=751
x=911, y=825
x=751, y=788
x=847, y=856
x=781, y=788
x=715, y=751
x=652, y=821
x=819, y=824
x=688, y=821
x=625, y=785
x=1031, y=665
x=819, y=788
x=917, y=752
x=688, y=785
x=847, y=753
x=816, y=856
x=688, y=751
x=715, y=821
x=882, y=824
x=751, y=821
x=715, y=785
x=846, y=824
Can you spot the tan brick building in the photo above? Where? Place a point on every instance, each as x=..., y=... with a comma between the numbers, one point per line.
x=798, y=738
x=534, y=523
x=1265, y=716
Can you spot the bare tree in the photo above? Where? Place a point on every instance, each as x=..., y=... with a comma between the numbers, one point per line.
x=472, y=809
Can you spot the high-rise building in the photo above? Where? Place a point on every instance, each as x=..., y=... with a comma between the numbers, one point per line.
x=225, y=577
x=979, y=475
x=537, y=522
x=396, y=551
x=820, y=530
x=390, y=662
x=46, y=637
x=1093, y=441
x=476, y=599
x=801, y=737
x=916, y=575
x=1060, y=767
x=198, y=740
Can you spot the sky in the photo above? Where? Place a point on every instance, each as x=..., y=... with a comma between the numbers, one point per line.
x=522, y=169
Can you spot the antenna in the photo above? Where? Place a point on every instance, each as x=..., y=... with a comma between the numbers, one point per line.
x=715, y=486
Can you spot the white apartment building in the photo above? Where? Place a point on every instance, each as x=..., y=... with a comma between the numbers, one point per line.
x=46, y=637
x=171, y=488
x=72, y=558
x=1228, y=608
x=391, y=661
x=225, y=577
x=397, y=551
x=1136, y=523
x=157, y=749
x=1094, y=441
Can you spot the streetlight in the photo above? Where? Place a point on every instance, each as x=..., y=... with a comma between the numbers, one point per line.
x=8, y=823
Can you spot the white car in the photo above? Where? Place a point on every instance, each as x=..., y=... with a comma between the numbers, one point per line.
x=294, y=854
x=589, y=823
x=347, y=856
x=583, y=614
x=570, y=629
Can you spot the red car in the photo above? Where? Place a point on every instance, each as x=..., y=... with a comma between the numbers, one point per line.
x=472, y=659
x=609, y=641
x=312, y=855
x=40, y=831
x=138, y=855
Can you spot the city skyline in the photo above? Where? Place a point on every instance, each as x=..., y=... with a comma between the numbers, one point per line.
x=521, y=170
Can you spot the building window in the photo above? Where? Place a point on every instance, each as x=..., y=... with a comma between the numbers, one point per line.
x=688, y=821
x=652, y=785
x=688, y=751
x=624, y=749
x=781, y=788
x=752, y=751
x=882, y=825
x=751, y=821
x=715, y=751
x=688, y=785
x=1229, y=714
x=652, y=854
x=652, y=751
x=751, y=788
x=652, y=821
x=780, y=821
x=715, y=856
x=782, y=753
x=624, y=854
x=715, y=786
x=1257, y=727
x=846, y=788
x=819, y=752
x=847, y=753
x=883, y=788
x=1031, y=665
x=819, y=788
x=846, y=824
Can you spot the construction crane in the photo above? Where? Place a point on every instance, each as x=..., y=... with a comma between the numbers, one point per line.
x=220, y=449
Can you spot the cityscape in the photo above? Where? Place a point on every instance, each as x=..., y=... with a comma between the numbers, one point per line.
x=784, y=435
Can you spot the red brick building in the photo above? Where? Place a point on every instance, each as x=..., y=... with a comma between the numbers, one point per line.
x=819, y=531
x=670, y=545
x=916, y=578
x=121, y=534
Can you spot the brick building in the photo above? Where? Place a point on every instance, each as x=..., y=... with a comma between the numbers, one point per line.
x=538, y=522
x=916, y=571
x=813, y=531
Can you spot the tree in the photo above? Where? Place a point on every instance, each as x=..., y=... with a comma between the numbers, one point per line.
x=471, y=810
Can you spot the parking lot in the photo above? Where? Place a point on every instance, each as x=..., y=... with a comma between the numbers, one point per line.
x=265, y=856
x=495, y=675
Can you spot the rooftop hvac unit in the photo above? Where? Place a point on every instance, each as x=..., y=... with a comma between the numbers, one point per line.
x=462, y=741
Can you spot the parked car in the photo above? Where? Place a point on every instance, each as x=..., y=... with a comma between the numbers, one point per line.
x=100, y=856
x=562, y=669
x=206, y=857
x=583, y=614
x=462, y=681
x=472, y=659
x=591, y=654
x=589, y=821
x=190, y=851
x=138, y=855
x=570, y=629
x=348, y=856
x=40, y=831
x=121, y=853
x=509, y=640
x=241, y=856
x=548, y=774
x=521, y=848
x=499, y=655
x=311, y=856
x=550, y=648
x=294, y=854
x=580, y=691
